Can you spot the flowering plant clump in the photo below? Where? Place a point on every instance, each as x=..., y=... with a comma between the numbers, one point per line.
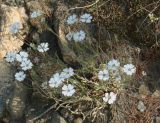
x=95, y=81
x=80, y=35
x=24, y=62
x=58, y=79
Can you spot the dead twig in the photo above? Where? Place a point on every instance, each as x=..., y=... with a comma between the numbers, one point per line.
x=87, y=6
x=142, y=8
x=42, y=114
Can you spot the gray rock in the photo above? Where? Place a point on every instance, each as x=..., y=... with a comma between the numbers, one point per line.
x=6, y=73
x=17, y=103
x=156, y=94
x=68, y=54
x=56, y=118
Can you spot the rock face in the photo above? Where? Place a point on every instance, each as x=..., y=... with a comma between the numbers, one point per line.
x=12, y=94
x=6, y=79
x=17, y=103
x=14, y=102
x=9, y=16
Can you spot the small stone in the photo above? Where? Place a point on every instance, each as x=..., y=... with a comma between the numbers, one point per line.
x=78, y=120
x=29, y=121
x=143, y=91
x=156, y=94
x=141, y=107
x=36, y=37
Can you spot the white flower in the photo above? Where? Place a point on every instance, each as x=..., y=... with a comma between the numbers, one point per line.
x=67, y=73
x=106, y=97
x=110, y=98
x=21, y=56
x=14, y=28
x=152, y=17
x=79, y=36
x=26, y=64
x=144, y=73
x=55, y=80
x=43, y=47
x=103, y=75
x=113, y=64
x=69, y=36
x=20, y=76
x=68, y=90
x=72, y=19
x=129, y=69
x=10, y=57
x=53, y=83
x=35, y=14
x=86, y=18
